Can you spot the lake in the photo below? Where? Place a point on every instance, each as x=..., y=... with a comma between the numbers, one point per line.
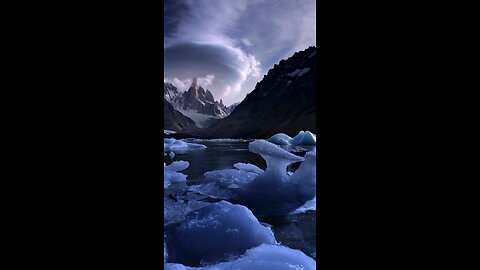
x=296, y=231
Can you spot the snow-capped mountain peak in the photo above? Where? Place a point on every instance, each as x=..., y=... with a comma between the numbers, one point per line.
x=196, y=103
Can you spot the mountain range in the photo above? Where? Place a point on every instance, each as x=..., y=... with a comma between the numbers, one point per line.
x=283, y=101
x=196, y=104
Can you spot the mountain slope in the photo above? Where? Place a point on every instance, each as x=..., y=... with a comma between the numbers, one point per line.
x=174, y=120
x=196, y=103
x=284, y=101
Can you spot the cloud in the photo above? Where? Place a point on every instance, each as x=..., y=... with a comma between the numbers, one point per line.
x=183, y=85
x=230, y=66
x=247, y=42
x=238, y=41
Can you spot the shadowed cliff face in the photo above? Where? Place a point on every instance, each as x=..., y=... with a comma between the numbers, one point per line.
x=284, y=101
x=174, y=120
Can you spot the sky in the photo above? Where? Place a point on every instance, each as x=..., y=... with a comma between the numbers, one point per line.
x=229, y=45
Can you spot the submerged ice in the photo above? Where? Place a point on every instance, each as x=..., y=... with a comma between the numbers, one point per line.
x=217, y=232
x=263, y=257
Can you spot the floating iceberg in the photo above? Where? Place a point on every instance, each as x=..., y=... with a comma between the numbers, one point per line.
x=173, y=211
x=179, y=146
x=280, y=139
x=276, y=192
x=168, y=132
x=263, y=257
x=224, y=184
x=305, y=176
x=271, y=192
x=304, y=138
x=217, y=140
x=171, y=174
x=277, y=159
x=216, y=232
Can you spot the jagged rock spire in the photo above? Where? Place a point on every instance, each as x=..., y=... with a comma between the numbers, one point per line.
x=195, y=85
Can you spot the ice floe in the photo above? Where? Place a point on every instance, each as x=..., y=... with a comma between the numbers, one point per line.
x=168, y=132
x=216, y=232
x=305, y=176
x=271, y=192
x=217, y=140
x=280, y=139
x=303, y=138
x=263, y=257
x=179, y=146
x=224, y=184
x=171, y=172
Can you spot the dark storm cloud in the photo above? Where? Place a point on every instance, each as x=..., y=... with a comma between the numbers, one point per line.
x=235, y=42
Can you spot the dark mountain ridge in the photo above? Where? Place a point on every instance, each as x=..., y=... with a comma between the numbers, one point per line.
x=283, y=101
x=176, y=121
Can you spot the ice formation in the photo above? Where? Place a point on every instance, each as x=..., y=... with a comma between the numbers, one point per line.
x=179, y=146
x=165, y=253
x=305, y=176
x=274, y=192
x=248, y=167
x=271, y=192
x=224, y=184
x=309, y=205
x=304, y=138
x=171, y=174
x=263, y=257
x=280, y=139
x=218, y=140
x=216, y=232
x=168, y=132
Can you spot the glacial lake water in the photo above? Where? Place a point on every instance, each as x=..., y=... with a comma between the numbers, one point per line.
x=295, y=231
